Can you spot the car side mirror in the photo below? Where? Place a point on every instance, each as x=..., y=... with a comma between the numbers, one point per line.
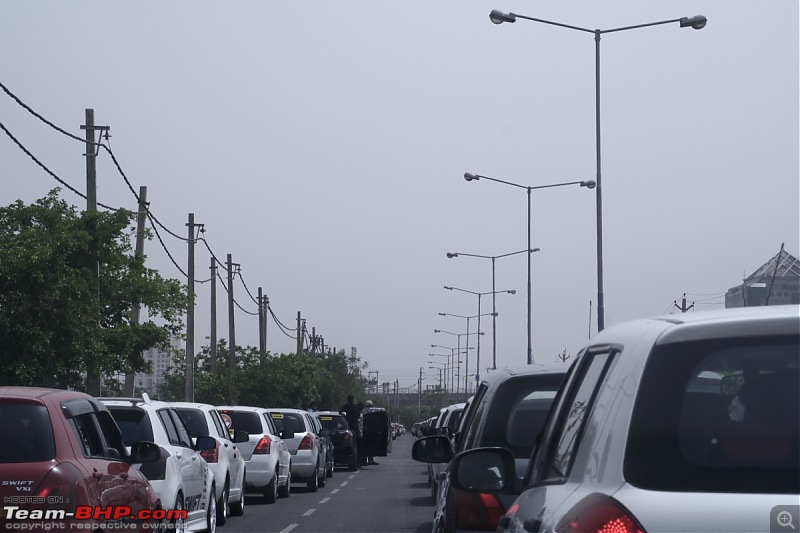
x=484, y=470
x=240, y=435
x=205, y=442
x=324, y=433
x=144, y=452
x=434, y=449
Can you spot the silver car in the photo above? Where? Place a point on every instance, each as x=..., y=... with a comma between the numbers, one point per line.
x=674, y=423
x=308, y=447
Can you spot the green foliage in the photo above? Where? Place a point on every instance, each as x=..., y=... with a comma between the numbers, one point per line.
x=56, y=318
x=275, y=380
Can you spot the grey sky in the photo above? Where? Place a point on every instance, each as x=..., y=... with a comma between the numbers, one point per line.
x=323, y=145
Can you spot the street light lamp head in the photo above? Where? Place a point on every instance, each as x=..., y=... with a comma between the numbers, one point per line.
x=698, y=22
x=512, y=291
x=442, y=314
x=498, y=17
x=448, y=288
x=470, y=177
x=451, y=255
x=535, y=250
x=437, y=331
x=589, y=184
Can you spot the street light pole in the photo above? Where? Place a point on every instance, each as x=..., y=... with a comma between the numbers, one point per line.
x=589, y=184
x=697, y=22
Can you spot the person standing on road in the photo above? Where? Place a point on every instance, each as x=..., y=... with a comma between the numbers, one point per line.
x=370, y=460
x=353, y=415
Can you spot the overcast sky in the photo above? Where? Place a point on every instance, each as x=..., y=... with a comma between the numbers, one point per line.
x=323, y=145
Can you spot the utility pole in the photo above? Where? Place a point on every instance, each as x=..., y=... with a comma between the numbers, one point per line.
x=231, y=334
x=299, y=334
x=130, y=377
x=262, y=348
x=683, y=307
x=213, y=333
x=93, y=383
x=189, y=393
x=419, y=393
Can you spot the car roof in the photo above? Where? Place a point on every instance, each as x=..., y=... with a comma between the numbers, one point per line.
x=240, y=408
x=328, y=413
x=144, y=402
x=712, y=324
x=494, y=377
x=40, y=393
x=194, y=405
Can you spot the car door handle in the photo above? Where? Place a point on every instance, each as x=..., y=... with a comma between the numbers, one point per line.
x=97, y=474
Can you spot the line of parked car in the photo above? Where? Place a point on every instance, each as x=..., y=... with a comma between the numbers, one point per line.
x=177, y=465
x=672, y=424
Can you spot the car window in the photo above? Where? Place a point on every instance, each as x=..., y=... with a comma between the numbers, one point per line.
x=183, y=434
x=469, y=435
x=720, y=416
x=576, y=411
x=111, y=434
x=219, y=425
x=245, y=420
x=333, y=422
x=27, y=435
x=291, y=421
x=271, y=427
x=134, y=424
x=172, y=429
x=194, y=420
x=88, y=435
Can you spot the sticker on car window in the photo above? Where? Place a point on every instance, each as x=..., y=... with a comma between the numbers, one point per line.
x=276, y=415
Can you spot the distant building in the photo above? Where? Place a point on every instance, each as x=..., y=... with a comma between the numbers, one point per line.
x=777, y=282
x=161, y=360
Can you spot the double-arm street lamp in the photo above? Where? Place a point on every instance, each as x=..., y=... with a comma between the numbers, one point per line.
x=589, y=184
x=479, y=294
x=466, y=361
x=697, y=22
x=494, y=308
x=458, y=348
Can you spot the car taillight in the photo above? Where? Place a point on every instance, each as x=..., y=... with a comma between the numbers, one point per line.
x=211, y=456
x=599, y=513
x=307, y=443
x=58, y=489
x=474, y=510
x=263, y=446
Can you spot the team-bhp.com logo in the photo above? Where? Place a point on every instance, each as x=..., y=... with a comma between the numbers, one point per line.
x=115, y=516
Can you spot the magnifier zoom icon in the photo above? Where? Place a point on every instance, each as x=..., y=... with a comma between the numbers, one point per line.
x=785, y=519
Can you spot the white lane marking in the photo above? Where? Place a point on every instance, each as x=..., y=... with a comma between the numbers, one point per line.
x=288, y=529
x=309, y=512
x=334, y=491
x=323, y=500
x=344, y=483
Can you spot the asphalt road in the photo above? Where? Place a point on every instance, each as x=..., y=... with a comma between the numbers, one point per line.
x=390, y=497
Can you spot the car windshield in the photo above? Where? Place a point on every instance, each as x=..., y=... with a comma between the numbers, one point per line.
x=133, y=423
x=718, y=417
x=27, y=435
x=194, y=420
x=245, y=420
x=333, y=422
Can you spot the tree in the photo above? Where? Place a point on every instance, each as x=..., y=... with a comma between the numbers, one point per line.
x=56, y=319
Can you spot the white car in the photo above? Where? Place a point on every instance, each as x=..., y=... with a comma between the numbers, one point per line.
x=225, y=459
x=685, y=422
x=266, y=456
x=182, y=479
x=307, y=446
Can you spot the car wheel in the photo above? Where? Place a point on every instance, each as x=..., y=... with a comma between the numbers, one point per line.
x=313, y=481
x=271, y=490
x=237, y=508
x=179, y=524
x=211, y=515
x=286, y=489
x=329, y=471
x=323, y=478
x=222, y=505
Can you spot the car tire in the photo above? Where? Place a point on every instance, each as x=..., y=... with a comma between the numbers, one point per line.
x=313, y=482
x=179, y=524
x=286, y=489
x=271, y=490
x=237, y=508
x=211, y=515
x=329, y=471
x=352, y=463
x=223, y=505
x=323, y=478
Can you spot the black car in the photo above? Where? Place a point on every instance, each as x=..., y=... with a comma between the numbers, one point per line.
x=344, y=442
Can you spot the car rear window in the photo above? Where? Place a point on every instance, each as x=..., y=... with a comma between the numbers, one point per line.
x=27, y=435
x=245, y=420
x=333, y=422
x=291, y=421
x=133, y=423
x=194, y=420
x=718, y=416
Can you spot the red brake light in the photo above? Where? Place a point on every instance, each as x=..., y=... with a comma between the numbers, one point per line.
x=599, y=513
x=263, y=446
x=476, y=510
x=211, y=456
x=307, y=443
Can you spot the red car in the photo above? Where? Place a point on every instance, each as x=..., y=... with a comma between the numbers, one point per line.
x=63, y=460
